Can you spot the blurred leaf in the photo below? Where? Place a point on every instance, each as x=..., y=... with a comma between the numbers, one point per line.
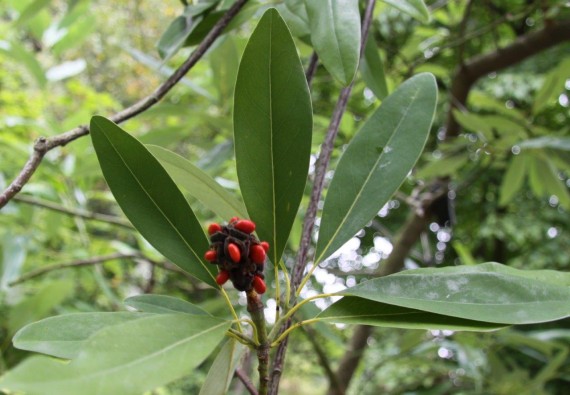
x=162, y=304
x=199, y=184
x=224, y=60
x=474, y=123
x=443, y=167
x=63, y=336
x=335, y=35
x=414, y=8
x=558, y=143
x=372, y=70
x=354, y=310
x=513, y=179
x=39, y=305
x=28, y=60
x=150, y=199
x=32, y=10
x=222, y=370
x=488, y=292
x=127, y=359
x=377, y=161
x=76, y=35
x=552, y=87
x=463, y=252
x=175, y=35
x=13, y=255
x=272, y=130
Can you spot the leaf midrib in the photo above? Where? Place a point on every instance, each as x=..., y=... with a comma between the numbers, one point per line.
x=359, y=194
x=154, y=202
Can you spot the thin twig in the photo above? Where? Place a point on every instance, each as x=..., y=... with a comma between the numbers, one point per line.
x=312, y=68
x=246, y=381
x=78, y=263
x=110, y=219
x=321, y=354
x=310, y=216
x=43, y=145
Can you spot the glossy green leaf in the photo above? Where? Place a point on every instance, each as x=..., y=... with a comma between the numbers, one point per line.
x=162, y=304
x=335, y=35
x=513, y=179
x=414, y=8
x=295, y=15
x=222, y=370
x=489, y=292
x=354, y=310
x=63, y=336
x=372, y=70
x=377, y=161
x=272, y=130
x=150, y=199
x=127, y=359
x=199, y=184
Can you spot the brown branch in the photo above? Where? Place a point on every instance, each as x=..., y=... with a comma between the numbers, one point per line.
x=255, y=309
x=111, y=219
x=310, y=216
x=44, y=145
x=479, y=66
x=312, y=68
x=240, y=374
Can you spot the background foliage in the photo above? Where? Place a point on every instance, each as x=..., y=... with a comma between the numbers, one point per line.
x=63, y=61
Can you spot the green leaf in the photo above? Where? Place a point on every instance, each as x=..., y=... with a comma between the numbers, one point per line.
x=127, y=359
x=372, y=70
x=558, y=143
x=224, y=61
x=335, y=35
x=175, y=35
x=63, y=336
x=199, y=184
x=489, y=292
x=27, y=59
x=32, y=10
x=222, y=370
x=474, y=123
x=551, y=184
x=414, y=8
x=272, y=130
x=443, y=167
x=150, y=199
x=295, y=15
x=353, y=310
x=513, y=179
x=552, y=87
x=377, y=161
x=39, y=305
x=162, y=304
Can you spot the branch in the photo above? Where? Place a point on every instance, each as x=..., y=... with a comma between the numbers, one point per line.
x=43, y=145
x=78, y=263
x=94, y=261
x=321, y=354
x=255, y=309
x=479, y=66
x=310, y=216
x=111, y=219
x=240, y=374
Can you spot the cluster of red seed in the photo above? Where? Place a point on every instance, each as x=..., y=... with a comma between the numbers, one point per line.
x=240, y=256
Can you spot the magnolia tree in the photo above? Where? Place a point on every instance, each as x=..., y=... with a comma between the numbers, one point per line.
x=162, y=338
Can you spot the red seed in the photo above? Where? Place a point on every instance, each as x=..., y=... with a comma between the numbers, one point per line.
x=222, y=277
x=257, y=253
x=265, y=246
x=233, y=251
x=245, y=226
x=213, y=228
x=210, y=255
x=233, y=219
x=259, y=285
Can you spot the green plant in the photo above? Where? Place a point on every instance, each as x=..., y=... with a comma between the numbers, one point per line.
x=166, y=338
